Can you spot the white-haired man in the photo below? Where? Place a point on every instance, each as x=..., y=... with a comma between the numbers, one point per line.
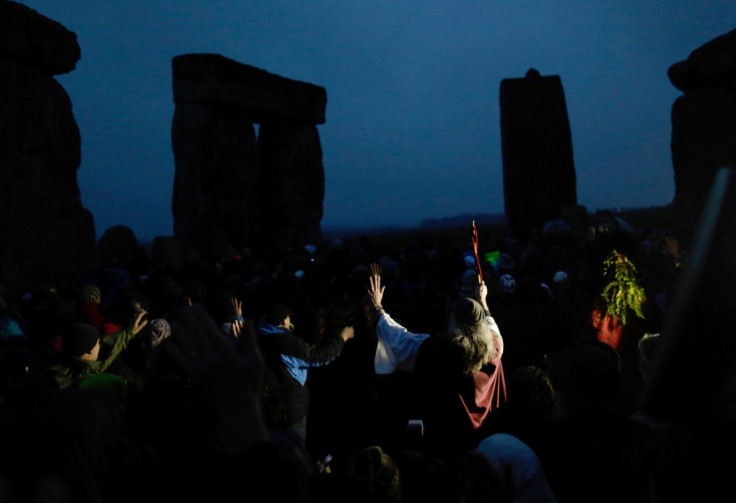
x=459, y=374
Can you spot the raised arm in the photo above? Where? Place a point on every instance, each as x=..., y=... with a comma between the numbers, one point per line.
x=481, y=292
x=397, y=347
x=375, y=292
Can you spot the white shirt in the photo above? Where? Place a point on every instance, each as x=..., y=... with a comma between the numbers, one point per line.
x=397, y=347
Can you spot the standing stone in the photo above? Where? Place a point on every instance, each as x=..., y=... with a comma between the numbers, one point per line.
x=699, y=314
x=262, y=189
x=703, y=125
x=217, y=168
x=292, y=181
x=538, y=168
x=46, y=236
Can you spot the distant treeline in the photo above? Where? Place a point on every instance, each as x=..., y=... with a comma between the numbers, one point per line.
x=426, y=224
x=639, y=217
x=479, y=218
x=458, y=228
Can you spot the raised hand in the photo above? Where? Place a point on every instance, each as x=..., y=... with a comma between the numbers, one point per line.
x=139, y=322
x=481, y=292
x=237, y=306
x=375, y=291
x=236, y=328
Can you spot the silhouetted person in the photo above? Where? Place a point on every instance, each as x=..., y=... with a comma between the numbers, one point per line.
x=289, y=358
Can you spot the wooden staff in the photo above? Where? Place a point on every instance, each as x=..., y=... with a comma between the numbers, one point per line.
x=474, y=240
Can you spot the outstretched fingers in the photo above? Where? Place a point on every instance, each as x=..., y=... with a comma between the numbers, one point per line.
x=237, y=306
x=375, y=290
x=375, y=269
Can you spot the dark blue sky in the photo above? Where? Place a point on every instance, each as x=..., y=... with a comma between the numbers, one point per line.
x=413, y=115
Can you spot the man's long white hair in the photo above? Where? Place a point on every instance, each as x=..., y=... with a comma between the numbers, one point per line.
x=476, y=342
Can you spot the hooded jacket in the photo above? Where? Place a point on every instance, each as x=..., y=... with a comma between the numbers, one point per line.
x=73, y=370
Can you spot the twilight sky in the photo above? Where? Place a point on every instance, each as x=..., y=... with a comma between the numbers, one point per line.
x=413, y=120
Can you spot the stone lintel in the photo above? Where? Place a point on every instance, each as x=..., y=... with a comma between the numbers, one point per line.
x=213, y=78
x=711, y=65
x=34, y=40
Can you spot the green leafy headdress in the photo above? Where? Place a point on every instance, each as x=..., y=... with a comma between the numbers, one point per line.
x=622, y=294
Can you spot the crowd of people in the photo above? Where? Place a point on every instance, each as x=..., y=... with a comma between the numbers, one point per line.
x=349, y=372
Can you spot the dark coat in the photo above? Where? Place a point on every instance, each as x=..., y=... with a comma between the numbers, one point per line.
x=288, y=358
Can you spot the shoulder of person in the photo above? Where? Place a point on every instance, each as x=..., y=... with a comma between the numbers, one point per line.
x=435, y=346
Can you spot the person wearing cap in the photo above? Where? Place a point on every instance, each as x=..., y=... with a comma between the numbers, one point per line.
x=91, y=300
x=289, y=357
x=85, y=354
x=459, y=374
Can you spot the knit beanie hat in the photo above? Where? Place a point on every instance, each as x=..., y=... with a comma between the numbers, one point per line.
x=159, y=329
x=79, y=339
x=90, y=293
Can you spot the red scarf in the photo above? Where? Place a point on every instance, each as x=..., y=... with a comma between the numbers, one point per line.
x=488, y=394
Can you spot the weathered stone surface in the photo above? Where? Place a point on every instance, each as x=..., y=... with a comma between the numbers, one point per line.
x=703, y=140
x=34, y=40
x=703, y=125
x=217, y=171
x=292, y=184
x=262, y=190
x=538, y=168
x=46, y=236
x=711, y=65
x=212, y=78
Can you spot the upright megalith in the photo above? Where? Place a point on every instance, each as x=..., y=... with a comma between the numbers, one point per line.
x=538, y=168
x=703, y=125
x=46, y=236
x=261, y=188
